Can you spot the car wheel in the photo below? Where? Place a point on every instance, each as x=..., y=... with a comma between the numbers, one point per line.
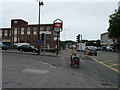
x=21, y=50
x=96, y=54
x=33, y=51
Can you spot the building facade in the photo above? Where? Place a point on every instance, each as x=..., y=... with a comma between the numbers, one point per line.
x=105, y=40
x=5, y=36
x=22, y=32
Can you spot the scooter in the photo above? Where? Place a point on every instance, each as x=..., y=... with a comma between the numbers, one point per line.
x=75, y=62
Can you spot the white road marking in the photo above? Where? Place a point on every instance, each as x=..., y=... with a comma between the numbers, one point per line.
x=35, y=71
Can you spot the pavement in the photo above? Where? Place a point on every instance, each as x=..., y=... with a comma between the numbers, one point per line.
x=29, y=72
x=30, y=53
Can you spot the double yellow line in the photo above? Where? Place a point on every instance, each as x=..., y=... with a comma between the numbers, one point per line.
x=105, y=65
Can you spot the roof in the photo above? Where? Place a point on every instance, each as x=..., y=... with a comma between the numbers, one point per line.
x=19, y=20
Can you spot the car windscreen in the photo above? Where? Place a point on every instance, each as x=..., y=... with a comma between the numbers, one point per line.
x=32, y=47
x=91, y=48
x=1, y=44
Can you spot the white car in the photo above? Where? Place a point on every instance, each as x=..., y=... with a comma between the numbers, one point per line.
x=1, y=46
x=109, y=48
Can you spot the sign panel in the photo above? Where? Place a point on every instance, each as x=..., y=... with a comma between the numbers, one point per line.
x=58, y=25
x=57, y=29
x=38, y=42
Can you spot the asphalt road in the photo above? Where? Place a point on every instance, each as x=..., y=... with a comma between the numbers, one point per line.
x=105, y=74
x=91, y=68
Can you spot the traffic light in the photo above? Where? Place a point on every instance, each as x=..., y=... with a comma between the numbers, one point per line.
x=42, y=36
x=78, y=38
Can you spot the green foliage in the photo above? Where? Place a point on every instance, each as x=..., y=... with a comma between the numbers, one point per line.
x=88, y=42
x=93, y=43
x=63, y=43
x=114, y=25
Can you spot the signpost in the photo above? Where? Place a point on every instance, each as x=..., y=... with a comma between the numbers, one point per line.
x=38, y=42
x=58, y=27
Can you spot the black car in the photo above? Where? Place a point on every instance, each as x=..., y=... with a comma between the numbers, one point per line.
x=91, y=51
x=3, y=47
x=27, y=48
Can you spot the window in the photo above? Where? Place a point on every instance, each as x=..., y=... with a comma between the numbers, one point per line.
x=15, y=21
x=0, y=33
x=34, y=37
x=15, y=34
x=22, y=37
x=22, y=30
x=48, y=28
x=35, y=30
x=41, y=28
x=15, y=31
x=28, y=30
x=28, y=37
x=15, y=39
x=6, y=33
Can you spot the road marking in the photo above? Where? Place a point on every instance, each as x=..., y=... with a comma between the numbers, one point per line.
x=35, y=71
x=105, y=65
x=114, y=64
x=110, y=60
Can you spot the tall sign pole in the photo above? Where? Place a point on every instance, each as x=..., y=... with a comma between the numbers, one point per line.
x=58, y=27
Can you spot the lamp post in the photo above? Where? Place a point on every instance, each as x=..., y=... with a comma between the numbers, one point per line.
x=38, y=43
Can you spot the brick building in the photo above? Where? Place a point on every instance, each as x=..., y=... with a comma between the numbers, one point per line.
x=21, y=32
x=5, y=35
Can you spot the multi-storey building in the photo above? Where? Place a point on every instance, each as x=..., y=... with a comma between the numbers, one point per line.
x=105, y=40
x=21, y=32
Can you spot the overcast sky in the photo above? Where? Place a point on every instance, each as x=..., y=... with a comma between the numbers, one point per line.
x=87, y=18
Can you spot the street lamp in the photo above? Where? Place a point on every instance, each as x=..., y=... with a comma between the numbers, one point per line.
x=38, y=42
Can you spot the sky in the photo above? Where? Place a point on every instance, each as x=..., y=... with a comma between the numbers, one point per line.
x=87, y=17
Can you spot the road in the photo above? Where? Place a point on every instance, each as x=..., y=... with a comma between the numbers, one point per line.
x=95, y=69
x=109, y=60
x=24, y=70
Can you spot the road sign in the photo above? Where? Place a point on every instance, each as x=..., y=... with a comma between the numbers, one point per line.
x=57, y=28
x=38, y=42
x=58, y=25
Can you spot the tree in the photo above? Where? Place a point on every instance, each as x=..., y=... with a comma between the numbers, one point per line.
x=114, y=26
x=64, y=43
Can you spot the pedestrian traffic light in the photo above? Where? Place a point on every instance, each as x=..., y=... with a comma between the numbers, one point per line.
x=42, y=36
x=78, y=38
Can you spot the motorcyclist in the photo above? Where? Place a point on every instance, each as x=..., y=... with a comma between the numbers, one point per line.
x=73, y=52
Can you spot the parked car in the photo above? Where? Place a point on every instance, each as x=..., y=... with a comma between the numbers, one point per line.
x=91, y=51
x=109, y=48
x=16, y=45
x=27, y=48
x=99, y=48
x=3, y=47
